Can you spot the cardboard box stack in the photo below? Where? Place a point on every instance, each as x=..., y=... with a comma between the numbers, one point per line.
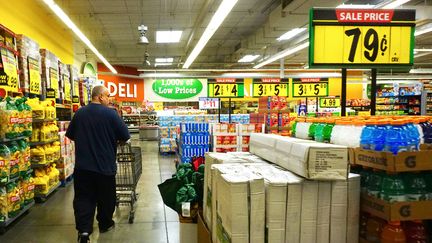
x=276, y=113
x=64, y=82
x=29, y=59
x=50, y=71
x=66, y=164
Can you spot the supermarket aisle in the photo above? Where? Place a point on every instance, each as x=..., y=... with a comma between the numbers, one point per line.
x=53, y=220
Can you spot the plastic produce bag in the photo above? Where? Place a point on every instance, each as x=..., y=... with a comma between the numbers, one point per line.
x=186, y=193
x=168, y=190
x=4, y=163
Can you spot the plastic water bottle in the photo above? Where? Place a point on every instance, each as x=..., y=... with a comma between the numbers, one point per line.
x=328, y=129
x=357, y=128
x=393, y=233
x=413, y=136
x=364, y=179
x=393, y=188
x=339, y=128
x=312, y=127
x=319, y=128
x=302, y=129
x=417, y=122
x=374, y=183
x=415, y=232
x=294, y=126
x=379, y=135
x=396, y=139
x=416, y=187
x=366, y=135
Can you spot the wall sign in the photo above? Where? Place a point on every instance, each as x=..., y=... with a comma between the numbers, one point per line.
x=177, y=89
x=364, y=38
x=225, y=88
x=124, y=88
x=310, y=87
x=330, y=102
x=270, y=87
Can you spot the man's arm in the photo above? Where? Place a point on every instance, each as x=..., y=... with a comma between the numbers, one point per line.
x=122, y=132
x=70, y=132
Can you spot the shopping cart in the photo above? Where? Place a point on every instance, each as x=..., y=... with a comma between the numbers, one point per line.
x=129, y=171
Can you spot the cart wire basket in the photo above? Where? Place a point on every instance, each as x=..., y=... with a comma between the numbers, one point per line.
x=129, y=170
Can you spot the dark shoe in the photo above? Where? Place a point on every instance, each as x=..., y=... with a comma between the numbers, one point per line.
x=104, y=230
x=83, y=237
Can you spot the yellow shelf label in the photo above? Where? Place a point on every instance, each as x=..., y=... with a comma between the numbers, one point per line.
x=54, y=82
x=10, y=68
x=34, y=76
x=330, y=102
x=310, y=89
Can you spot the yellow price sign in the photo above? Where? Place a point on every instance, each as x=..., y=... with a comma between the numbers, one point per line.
x=362, y=37
x=34, y=76
x=310, y=89
x=330, y=102
x=270, y=87
x=67, y=91
x=226, y=90
x=85, y=94
x=10, y=69
x=54, y=81
x=75, y=87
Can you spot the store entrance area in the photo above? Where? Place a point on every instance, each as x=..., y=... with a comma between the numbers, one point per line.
x=53, y=220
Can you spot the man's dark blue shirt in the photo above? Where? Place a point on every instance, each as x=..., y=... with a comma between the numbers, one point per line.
x=96, y=129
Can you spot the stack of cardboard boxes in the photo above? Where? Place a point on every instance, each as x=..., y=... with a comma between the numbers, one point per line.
x=248, y=199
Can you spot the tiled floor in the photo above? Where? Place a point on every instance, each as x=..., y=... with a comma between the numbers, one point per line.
x=53, y=220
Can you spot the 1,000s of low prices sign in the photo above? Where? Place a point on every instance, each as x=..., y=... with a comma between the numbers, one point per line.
x=361, y=37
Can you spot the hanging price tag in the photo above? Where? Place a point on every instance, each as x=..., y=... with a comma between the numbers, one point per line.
x=75, y=87
x=329, y=102
x=225, y=89
x=10, y=69
x=270, y=87
x=208, y=103
x=67, y=91
x=310, y=88
x=54, y=81
x=34, y=75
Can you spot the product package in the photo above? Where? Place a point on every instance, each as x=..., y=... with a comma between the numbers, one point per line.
x=29, y=62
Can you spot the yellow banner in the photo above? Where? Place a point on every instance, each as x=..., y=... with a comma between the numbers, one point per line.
x=227, y=90
x=34, y=76
x=68, y=95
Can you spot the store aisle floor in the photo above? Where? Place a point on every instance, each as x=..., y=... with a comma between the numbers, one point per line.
x=53, y=221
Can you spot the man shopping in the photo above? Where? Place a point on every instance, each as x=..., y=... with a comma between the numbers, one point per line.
x=96, y=131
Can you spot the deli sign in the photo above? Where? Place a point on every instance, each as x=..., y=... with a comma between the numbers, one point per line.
x=124, y=88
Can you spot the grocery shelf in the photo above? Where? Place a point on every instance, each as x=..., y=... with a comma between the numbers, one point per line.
x=32, y=144
x=15, y=178
x=43, y=197
x=5, y=140
x=44, y=120
x=35, y=166
x=61, y=106
x=225, y=134
x=4, y=224
x=226, y=146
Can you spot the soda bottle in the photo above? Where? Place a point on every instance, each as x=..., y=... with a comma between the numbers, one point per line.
x=356, y=132
x=396, y=139
x=374, y=183
x=319, y=127
x=393, y=233
x=328, y=129
x=364, y=179
x=393, y=188
x=428, y=177
x=413, y=135
x=366, y=135
x=379, y=135
x=415, y=232
x=374, y=229
x=416, y=187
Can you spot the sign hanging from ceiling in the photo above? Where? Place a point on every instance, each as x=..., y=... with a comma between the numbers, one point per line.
x=363, y=38
x=208, y=103
x=310, y=87
x=270, y=87
x=226, y=88
x=165, y=90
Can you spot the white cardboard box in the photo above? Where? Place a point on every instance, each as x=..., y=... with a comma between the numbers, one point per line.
x=293, y=209
x=188, y=233
x=323, y=217
x=309, y=210
x=263, y=145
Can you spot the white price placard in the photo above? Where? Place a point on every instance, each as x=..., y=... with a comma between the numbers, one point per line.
x=208, y=103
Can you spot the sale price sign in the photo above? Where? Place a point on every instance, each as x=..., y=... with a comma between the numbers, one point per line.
x=225, y=88
x=10, y=74
x=315, y=87
x=208, y=103
x=329, y=102
x=365, y=38
x=270, y=87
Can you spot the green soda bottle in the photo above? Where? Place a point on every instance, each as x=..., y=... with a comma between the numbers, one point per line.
x=374, y=183
x=311, y=133
x=319, y=130
x=416, y=187
x=393, y=188
x=428, y=177
x=328, y=128
x=364, y=179
x=294, y=126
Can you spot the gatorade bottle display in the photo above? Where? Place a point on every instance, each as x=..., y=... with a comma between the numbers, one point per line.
x=294, y=126
x=379, y=135
x=328, y=129
x=428, y=178
x=427, y=130
x=366, y=135
x=393, y=188
x=364, y=180
x=417, y=125
x=413, y=135
x=396, y=139
x=416, y=187
x=374, y=183
x=302, y=129
x=339, y=128
x=311, y=133
x=374, y=229
x=319, y=128
x=393, y=233
x=357, y=129
x=415, y=232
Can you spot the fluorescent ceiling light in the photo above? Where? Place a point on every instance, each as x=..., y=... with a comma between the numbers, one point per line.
x=356, y=6
x=65, y=18
x=221, y=13
x=248, y=58
x=291, y=34
x=163, y=64
x=423, y=50
x=423, y=30
x=422, y=54
x=394, y=4
x=169, y=36
x=168, y=59
x=283, y=54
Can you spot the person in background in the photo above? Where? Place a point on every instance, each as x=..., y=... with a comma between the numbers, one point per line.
x=96, y=131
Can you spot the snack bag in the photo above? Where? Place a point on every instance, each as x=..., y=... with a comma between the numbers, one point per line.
x=24, y=163
x=28, y=127
x=13, y=199
x=9, y=119
x=29, y=187
x=14, y=162
x=37, y=155
x=41, y=181
x=3, y=204
x=4, y=163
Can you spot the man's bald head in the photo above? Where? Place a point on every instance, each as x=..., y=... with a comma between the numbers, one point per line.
x=98, y=90
x=100, y=94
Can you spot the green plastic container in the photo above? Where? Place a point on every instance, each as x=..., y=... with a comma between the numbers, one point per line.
x=374, y=184
x=319, y=132
x=416, y=187
x=393, y=188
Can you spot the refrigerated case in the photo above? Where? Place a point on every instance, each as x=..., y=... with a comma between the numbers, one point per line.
x=426, y=103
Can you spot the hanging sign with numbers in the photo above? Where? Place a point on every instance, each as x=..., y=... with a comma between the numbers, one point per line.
x=34, y=75
x=310, y=87
x=54, y=81
x=225, y=88
x=208, y=103
x=363, y=38
x=9, y=73
x=329, y=102
x=270, y=87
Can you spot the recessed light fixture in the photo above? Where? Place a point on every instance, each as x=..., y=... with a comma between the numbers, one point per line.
x=248, y=58
x=69, y=23
x=168, y=36
x=291, y=34
x=356, y=6
x=164, y=60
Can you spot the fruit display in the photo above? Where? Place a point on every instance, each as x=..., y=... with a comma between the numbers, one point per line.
x=15, y=118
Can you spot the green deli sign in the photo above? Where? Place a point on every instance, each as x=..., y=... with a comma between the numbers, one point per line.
x=177, y=89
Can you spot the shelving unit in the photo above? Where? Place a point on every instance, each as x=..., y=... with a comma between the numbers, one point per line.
x=42, y=197
x=33, y=144
x=9, y=221
x=426, y=107
x=405, y=104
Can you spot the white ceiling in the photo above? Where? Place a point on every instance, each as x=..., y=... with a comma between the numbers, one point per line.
x=251, y=28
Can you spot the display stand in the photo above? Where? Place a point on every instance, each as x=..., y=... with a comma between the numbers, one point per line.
x=42, y=197
x=5, y=224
